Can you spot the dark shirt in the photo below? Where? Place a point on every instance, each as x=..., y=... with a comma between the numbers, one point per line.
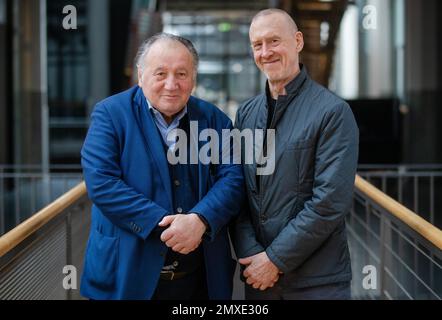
x=271, y=105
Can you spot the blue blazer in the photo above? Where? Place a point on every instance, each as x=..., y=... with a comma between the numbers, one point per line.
x=127, y=178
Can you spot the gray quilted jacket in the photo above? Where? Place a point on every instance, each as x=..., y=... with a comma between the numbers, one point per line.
x=297, y=213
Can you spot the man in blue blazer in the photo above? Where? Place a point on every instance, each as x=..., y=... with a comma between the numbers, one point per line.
x=159, y=227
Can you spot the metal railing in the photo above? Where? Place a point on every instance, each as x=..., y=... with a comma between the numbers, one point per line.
x=404, y=249
x=414, y=186
x=34, y=254
x=395, y=253
x=26, y=189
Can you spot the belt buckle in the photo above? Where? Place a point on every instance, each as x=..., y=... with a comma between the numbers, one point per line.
x=168, y=272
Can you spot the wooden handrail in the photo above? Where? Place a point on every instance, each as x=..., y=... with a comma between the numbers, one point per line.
x=26, y=228
x=415, y=222
x=29, y=226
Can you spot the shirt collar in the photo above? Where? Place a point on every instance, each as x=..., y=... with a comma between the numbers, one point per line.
x=159, y=119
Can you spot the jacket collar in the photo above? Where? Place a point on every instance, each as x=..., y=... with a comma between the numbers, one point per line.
x=152, y=139
x=293, y=87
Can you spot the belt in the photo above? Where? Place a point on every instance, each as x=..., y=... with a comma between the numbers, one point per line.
x=171, y=275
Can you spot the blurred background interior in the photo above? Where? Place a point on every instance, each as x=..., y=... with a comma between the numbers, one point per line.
x=382, y=56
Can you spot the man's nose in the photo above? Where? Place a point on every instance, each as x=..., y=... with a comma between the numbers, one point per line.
x=266, y=52
x=171, y=83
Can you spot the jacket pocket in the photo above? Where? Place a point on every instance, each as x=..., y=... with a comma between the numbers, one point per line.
x=301, y=144
x=101, y=260
x=305, y=153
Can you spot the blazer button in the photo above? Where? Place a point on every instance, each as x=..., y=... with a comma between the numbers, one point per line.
x=179, y=210
x=135, y=227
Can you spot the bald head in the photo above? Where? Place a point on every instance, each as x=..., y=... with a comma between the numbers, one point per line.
x=273, y=11
x=276, y=44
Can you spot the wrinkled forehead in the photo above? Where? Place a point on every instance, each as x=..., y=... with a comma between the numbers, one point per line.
x=162, y=46
x=169, y=52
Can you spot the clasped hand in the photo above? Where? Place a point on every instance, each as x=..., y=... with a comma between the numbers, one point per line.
x=184, y=232
x=261, y=273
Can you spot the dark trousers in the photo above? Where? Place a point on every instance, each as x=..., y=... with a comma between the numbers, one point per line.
x=333, y=291
x=191, y=287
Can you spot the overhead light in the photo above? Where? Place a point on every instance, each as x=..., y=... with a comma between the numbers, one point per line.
x=224, y=27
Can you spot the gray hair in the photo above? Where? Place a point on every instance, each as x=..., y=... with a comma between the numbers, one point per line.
x=270, y=11
x=146, y=45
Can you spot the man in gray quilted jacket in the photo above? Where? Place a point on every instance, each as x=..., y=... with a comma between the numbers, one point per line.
x=291, y=235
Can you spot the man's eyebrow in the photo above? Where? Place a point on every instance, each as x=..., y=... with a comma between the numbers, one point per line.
x=160, y=68
x=266, y=38
x=273, y=37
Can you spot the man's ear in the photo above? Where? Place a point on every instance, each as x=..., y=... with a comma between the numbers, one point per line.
x=140, y=77
x=299, y=41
